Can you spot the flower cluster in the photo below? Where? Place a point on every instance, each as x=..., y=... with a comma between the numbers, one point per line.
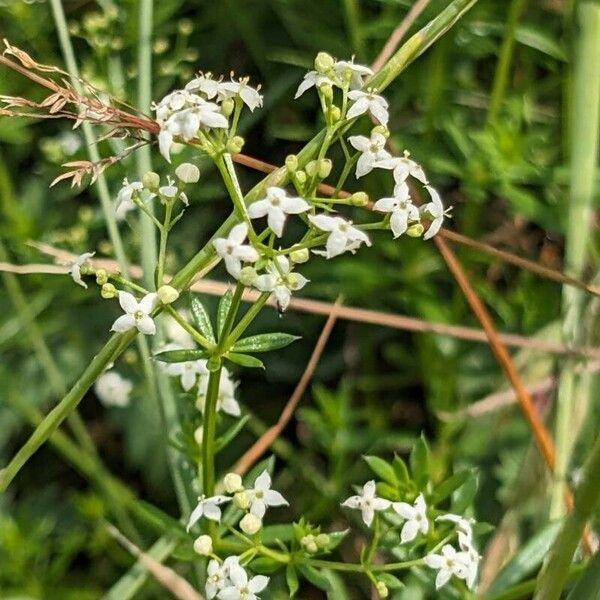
x=228, y=580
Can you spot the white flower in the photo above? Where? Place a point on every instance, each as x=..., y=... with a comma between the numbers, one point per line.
x=208, y=508
x=343, y=237
x=448, y=563
x=226, y=401
x=464, y=527
x=372, y=149
x=416, y=518
x=434, y=210
x=204, y=84
x=261, y=496
x=137, y=314
x=404, y=166
x=357, y=72
x=281, y=281
x=218, y=575
x=112, y=389
x=312, y=79
x=233, y=250
x=241, y=587
x=276, y=206
x=367, y=503
x=171, y=192
x=75, y=271
x=402, y=209
x=125, y=201
x=368, y=102
x=249, y=95
x=188, y=371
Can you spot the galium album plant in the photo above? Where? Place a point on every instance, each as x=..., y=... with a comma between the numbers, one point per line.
x=400, y=518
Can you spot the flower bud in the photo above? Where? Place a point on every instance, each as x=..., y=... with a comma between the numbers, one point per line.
x=187, y=173
x=293, y=281
x=325, y=166
x=199, y=435
x=109, y=291
x=326, y=90
x=335, y=114
x=309, y=544
x=312, y=168
x=301, y=176
x=300, y=256
x=382, y=130
x=101, y=277
x=250, y=524
x=203, y=545
x=359, y=199
x=322, y=540
x=185, y=26
x=233, y=483
x=151, y=180
x=291, y=163
x=241, y=500
x=235, y=144
x=227, y=106
x=324, y=62
x=382, y=589
x=415, y=230
x=167, y=294
x=247, y=276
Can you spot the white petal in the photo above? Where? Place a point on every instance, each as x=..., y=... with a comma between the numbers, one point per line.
x=409, y=531
x=195, y=516
x=259, y=209
x=336, y=244
x=149, y=302
x=399, y=222
x=434, y=561
x=386, y=204
x=276, y=220
x=212, y=511
x=283, y=297
x=128, y=302
x=364, y=165
x=123, y=323
x=323, y=222
x=406, y=511
x=368, y=490
x=263, y=481
x=258, y=508
x=442, y=578
x=367, y=515
x=381, y=504
x=165, y=141
x=294, y=205
x=308, y=82
x=360, y=142
x=230, y=593
x=265, y=283
x=435, y=226
x=246, y=254
x=379, y=112
x=238, y=233
x=146, y=325
x=188, y=379
x=353, y=502
x=358, y=108
x=258, y=583
x=230, y=406
x=274, y=498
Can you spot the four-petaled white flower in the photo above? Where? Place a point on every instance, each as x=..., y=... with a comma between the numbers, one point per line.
x=261, y=496
x=208, y=508
x=357, y=73
x=403, y=166
x=372, y=149
x=416, y=518
x=188, y=372
x=370, y=102
x=75, y=271
x=402, y=209
x=218, y=575
x=233, y=250
x=448, y=563
x=343, y=235
x=226, y=401
x=137, y=314
x=172, y=192
x=249, y=95
x=276, y=205
x=281, y=281
x=313, y=79
x=435, y=211
x=367, y=502
x=112, y=389
x=241, y=587
x=125, y=201
x=205, y=84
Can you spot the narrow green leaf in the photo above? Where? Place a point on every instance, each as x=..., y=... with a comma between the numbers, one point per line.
x=265, y=564
x=245, y=360
x=449, y=486
x=224, y=305
x=588, y=586
x=419, y=463
x=264, y=342
x=201, y=319
x=382, y=469
x=179, y=356
x=463, y=496
x=401, y=471
x=314, y=576
x=291, y=578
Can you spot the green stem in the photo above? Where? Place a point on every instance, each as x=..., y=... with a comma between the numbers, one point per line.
x=245, y=321
x=208, y=432
x=162, y=250
x=198, y=337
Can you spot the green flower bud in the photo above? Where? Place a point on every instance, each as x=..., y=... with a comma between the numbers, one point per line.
x=228, y=106
x=301, y=176
x=309, y=544
x=101, y=277
x=291, y=163
x=300, y=256
x=235, y=144
x=151, y=181
x=203, y=545
x=247, y=276
x=250, y=524
x=322, y=540
x=326, y=90
x=335, y=114
x=382, y=589
x=109, y=291
x=167, y=294
x=312, y=168
x=185, y=26
x=415, y=230
x=199, y=435
x=187, y=173
x=241, y=500
x=232, y=483
x=325, y=166
x=324, y=62
x=382, y=130
x=359, y=199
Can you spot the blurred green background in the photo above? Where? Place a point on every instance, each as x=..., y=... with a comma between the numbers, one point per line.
x=498, y=154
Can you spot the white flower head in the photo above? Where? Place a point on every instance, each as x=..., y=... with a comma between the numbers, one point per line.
x=448, y=563
x=276, y=206
x=125, y=201
x=401, y=207
x=204, y=84
x=367, y=502
x=464, y=527
x=75, y=271
x=416, y=518
x=372, y=151
x=233, y=250
x=188, y=372
x=112, y=389
x=217, y=575
x=343, y=235
x=313, y=79
x=250, y=96
x=226, y=401
x=171, y=192
x=403, y=166
x=137, y=314
x=241, y=586
x=435, y=211
x=355, y=73
x=369, y=102
x=261, y=496
x=280, y=280
x=208, y=508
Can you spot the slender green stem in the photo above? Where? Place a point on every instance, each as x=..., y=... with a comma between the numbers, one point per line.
x=208, y=432
x=352, y=13
x=198, y=337
x=162, y=250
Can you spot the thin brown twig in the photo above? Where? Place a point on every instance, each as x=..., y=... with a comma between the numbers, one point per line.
x=261, y=445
